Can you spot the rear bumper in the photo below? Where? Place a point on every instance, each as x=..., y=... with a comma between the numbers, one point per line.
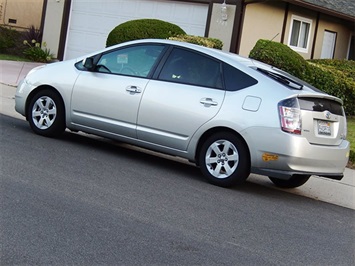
x=282, y=155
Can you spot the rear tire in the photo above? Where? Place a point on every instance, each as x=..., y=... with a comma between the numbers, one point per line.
x=294, y=181
x=224, y=160
x=46, y=114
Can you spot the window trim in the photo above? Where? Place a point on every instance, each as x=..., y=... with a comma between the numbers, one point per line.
x=302, y=20
x=97, y=58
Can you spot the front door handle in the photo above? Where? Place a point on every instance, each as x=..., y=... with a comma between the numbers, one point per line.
x=207, y=102
x=133, y=89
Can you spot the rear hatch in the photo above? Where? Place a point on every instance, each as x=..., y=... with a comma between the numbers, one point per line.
x=317, y=116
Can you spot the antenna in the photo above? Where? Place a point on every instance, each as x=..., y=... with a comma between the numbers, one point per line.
x=274, y=37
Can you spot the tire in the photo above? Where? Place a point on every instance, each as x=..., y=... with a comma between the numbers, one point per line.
x=46, y=114
x=294, y=181
x=224, y=160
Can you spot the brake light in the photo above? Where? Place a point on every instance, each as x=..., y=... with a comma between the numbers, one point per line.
x=290, y=116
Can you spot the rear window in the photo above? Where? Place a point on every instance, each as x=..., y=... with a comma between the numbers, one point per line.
x=286, y=79
x=321, y=105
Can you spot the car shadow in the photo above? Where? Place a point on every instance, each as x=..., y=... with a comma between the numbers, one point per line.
x=181, y=168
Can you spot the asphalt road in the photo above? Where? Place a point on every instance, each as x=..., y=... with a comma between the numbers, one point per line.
x=82, y=200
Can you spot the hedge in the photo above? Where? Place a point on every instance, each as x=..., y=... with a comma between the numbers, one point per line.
x=142, y=29
x=335, y=77
x=203, y=41
x=9, y=40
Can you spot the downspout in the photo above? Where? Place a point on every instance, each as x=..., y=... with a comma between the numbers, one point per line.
x=315, y=36
x=4, y=13
x=285, y=23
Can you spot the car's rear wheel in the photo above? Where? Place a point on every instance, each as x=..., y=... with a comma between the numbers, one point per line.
x=294, y=181
x=46, y=113
x=224, y=160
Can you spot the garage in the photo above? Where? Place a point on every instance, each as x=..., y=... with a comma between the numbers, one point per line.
x=91, y=21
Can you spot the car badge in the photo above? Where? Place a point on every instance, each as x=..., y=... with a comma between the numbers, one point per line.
x=327, y=114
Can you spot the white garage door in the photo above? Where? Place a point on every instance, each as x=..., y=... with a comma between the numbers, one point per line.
x=92, y=20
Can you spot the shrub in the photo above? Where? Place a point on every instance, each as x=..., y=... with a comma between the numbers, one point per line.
x=142, y=29
x=37, y=53
x=280, y=56
x=8, y=39
x=331, y=76
x=347, y=67
x=35, y=50
x=33, y=34
x=335, y=82
x=204, y=41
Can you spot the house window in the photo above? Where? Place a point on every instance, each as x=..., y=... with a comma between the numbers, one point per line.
x=300, y=34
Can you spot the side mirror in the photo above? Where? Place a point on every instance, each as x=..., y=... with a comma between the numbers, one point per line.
x=88, y=63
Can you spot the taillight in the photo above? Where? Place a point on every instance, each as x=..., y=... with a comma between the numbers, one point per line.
x=290, y=116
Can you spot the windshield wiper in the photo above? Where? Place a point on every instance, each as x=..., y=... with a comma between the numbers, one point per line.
x=282, y=79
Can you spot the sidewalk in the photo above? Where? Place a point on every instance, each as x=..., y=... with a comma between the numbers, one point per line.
x=341, y=192
x=12, y=72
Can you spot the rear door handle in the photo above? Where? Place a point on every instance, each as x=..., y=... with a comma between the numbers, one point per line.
x=207, y=102
x=133, y=89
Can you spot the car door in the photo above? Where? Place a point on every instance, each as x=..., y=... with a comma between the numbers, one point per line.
x=187, y=93
x=107, y=98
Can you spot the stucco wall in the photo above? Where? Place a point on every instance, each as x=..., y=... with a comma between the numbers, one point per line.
x=21, y=13
x=344, y=32
x=261, y=21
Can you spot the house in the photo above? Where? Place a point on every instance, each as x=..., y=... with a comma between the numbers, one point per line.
x=313, y=28
x=20, y=14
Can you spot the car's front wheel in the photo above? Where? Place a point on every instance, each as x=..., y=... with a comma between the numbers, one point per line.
x=294, y=181
x=46, y=114
x=224, y=160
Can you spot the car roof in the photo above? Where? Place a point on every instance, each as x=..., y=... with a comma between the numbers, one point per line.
x=222, y=55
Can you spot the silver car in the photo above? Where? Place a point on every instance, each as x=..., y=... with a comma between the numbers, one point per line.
x=228, y=114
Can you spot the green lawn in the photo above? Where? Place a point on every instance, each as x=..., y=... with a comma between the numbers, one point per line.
x=12, y=58
x=351, y=138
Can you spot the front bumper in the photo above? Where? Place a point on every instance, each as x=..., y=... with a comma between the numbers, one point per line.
x=21, y=95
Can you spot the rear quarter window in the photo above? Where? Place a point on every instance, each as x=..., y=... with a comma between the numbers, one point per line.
x=235, y=80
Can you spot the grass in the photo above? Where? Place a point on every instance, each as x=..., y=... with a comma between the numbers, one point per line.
x=351, y=138
x=13, y=58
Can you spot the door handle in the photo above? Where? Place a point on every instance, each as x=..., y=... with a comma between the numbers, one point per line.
x=133, y=89
x=207, y=102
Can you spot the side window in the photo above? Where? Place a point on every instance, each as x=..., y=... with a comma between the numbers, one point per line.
x=183, y=66
x=234, y=79
x=132, y=61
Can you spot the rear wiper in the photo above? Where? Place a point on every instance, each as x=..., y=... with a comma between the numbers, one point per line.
x=282, y=79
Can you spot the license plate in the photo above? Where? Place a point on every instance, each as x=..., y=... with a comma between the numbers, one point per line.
x=324, y=128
